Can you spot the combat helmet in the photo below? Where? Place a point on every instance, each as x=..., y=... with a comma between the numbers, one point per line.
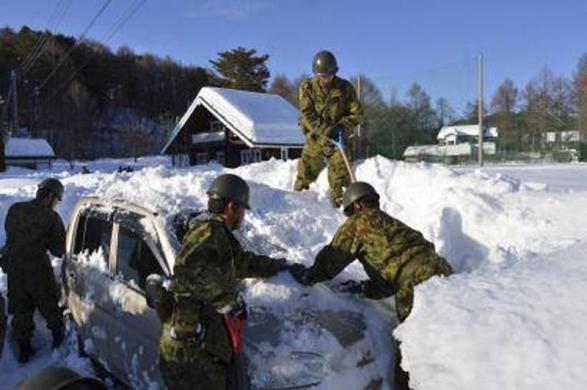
x=53, y=186
x=324, y=62
x=60, y=378
x=230, y=187
x=357, y=191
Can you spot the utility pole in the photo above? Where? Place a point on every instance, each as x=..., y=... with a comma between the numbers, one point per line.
x=358, y=142
x=480, y=103
x=15, y=123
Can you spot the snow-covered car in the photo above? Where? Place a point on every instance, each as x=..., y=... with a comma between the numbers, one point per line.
x=113, y=247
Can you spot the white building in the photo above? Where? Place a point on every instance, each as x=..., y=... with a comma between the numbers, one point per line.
x=28, y=152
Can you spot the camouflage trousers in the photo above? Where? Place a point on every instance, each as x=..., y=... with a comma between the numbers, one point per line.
x=32, y=285
x=196, y=365
x=310, y=165
x=420, y=271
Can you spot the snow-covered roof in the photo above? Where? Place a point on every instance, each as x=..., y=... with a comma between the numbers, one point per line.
x=466, y=130
x=463, y=149
x=28, y=147
x=259, y=119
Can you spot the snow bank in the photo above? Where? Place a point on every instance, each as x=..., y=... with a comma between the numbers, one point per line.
x=512, y=318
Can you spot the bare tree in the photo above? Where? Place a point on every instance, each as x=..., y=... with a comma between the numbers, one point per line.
x=505, y=98
x=283, y=87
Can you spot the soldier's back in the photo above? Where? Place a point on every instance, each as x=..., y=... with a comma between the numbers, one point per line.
x=28, y=228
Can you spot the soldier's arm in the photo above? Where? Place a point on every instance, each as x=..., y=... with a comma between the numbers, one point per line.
x=309, y=117
x=251, y=265
x=198, y=271
x=354, y=116
x=56, y=243
x=334, y=257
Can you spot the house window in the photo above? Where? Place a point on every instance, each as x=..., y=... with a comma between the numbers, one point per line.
x=221, y=158
x=255, y=155
x=284, y=153
x=245, y=156
x=201, y=158
x=216, y=126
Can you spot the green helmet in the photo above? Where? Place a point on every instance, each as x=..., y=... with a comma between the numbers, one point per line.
x=60, y=378
x=53, y=186
x=324, y=62
x=357, y=191
x=230, y=187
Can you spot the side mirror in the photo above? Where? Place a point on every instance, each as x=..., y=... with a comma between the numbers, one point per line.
x=154, y=289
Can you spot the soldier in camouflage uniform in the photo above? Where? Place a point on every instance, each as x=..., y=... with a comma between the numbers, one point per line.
x=396, y=257
x=195, y=351
x=32, y=229
x=329, y=107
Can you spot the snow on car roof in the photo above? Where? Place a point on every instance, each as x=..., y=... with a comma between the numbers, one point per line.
x=28, y=147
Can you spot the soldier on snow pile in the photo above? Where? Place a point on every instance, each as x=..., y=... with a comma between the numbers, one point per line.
x=32, y=229
x=396, y=257
x=329, y=109
x=195, y=349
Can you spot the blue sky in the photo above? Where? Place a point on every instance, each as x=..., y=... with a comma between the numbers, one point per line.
x=394, y=42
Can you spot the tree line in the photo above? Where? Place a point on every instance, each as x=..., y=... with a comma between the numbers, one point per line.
x=101, y=103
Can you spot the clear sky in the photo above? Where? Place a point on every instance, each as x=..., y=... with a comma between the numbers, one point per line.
x=393, y=42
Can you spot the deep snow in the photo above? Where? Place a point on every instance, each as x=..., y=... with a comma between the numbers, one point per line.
x=512, y=318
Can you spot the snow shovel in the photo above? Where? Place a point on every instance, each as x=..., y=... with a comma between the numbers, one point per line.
x=340, y=146
x=234, y=320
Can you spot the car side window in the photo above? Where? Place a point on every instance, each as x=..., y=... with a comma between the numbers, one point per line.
x=92, y=234
x=135, y=260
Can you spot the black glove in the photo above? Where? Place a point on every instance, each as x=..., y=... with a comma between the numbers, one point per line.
x=335, y=132
x=300, y=273
x=351, y=287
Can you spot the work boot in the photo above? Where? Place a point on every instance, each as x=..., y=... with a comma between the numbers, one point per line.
x=24, y=351
x=58, y=336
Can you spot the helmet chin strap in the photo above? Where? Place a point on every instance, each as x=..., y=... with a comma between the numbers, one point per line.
x=232, y=215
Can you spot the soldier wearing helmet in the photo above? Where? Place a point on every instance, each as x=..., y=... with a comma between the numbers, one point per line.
x=395, y=257
x=60, y=378
x=32, y=229
x=329, y=109
x=195, y=350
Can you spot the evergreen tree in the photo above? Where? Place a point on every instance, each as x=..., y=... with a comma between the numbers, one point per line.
x=242, y=69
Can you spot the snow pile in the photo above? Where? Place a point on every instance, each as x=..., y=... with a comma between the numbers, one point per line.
x=512, y=318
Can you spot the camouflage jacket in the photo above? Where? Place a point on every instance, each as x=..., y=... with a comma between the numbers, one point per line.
x=211, y=261
x=206, y=272
x=322, y=109
x=32, y=229
x=385, y=246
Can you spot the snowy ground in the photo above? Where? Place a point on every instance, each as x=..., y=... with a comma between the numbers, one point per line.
x=512, y=318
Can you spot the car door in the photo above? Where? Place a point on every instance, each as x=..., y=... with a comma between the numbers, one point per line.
x=87, y=276
x=137, y=257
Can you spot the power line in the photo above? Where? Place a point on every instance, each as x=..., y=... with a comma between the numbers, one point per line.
x=40, y=40
x=45, y=39
x=124, y=18
x=80, y=38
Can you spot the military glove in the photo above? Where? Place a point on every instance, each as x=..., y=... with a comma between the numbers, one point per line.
x=351, y=287
x=300, y=274
x=335, y=133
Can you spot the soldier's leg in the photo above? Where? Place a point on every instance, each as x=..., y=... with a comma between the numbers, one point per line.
x=308, y=167
x=21, y=306
x=2, y=323
x=46, y=297
x=338, y=177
